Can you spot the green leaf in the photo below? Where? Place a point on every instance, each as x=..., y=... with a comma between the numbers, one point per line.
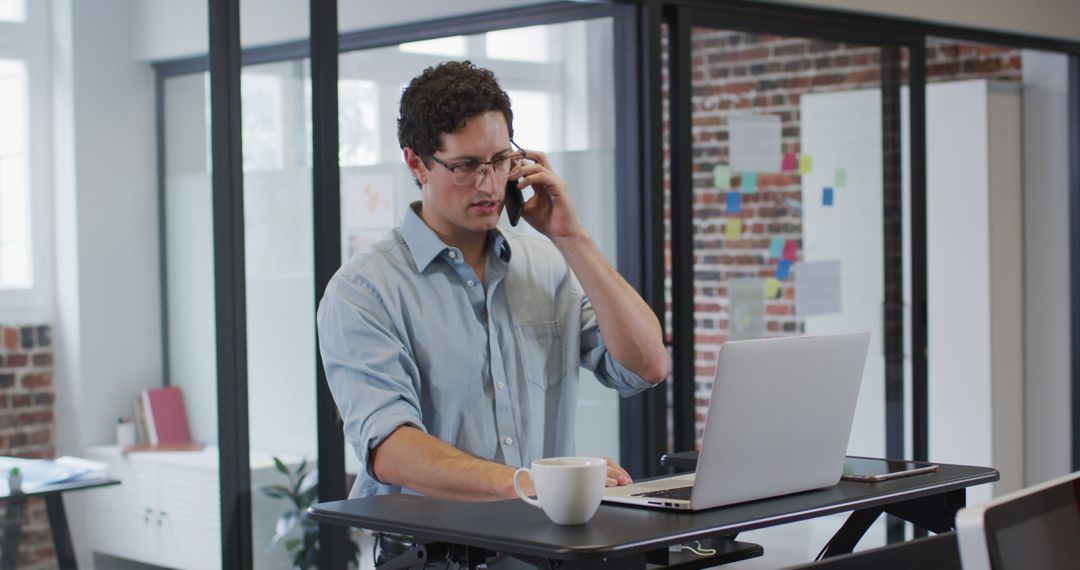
x=277, y=491
x=280, y=466
x=284, y=526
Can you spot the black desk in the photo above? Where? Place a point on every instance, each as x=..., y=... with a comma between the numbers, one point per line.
x=54, y=505
x=622, y=536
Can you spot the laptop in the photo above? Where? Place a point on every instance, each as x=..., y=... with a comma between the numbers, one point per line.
x=779, y=421
x=1037, y=527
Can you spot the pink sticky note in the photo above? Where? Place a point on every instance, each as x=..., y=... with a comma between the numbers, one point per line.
x=791, y=162
x=791, y=250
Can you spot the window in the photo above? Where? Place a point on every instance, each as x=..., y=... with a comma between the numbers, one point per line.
x=12, y=11
x=16, y=271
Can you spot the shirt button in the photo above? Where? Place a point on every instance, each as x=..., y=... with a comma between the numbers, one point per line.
x=509, y=441
x=471, y=283
x=500, y=385
x=453, y=255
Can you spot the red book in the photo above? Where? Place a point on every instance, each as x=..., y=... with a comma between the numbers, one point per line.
x=166, y=418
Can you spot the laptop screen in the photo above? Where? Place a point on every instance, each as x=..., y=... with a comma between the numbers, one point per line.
x=1041, y=530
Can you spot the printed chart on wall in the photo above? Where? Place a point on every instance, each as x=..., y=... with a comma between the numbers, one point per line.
x=367, y=209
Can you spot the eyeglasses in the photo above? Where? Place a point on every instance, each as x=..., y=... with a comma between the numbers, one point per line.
x=471, y=172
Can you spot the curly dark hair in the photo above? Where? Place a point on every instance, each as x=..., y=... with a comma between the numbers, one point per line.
x=441, y=99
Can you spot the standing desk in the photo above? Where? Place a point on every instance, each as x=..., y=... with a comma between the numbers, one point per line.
x=629, y=537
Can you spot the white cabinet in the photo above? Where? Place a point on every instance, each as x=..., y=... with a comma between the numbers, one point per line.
x=167, y=510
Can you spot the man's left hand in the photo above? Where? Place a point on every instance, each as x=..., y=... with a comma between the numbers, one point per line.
x=616, y=475
x=550, y=210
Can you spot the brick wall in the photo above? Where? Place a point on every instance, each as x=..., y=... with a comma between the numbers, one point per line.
x=27, y=425
x=737, y=73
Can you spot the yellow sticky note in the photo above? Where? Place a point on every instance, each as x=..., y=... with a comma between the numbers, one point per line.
x=722, y=176
x=734, y=228
x=772, y=287
x=806, y=164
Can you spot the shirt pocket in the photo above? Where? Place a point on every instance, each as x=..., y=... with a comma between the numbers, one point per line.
x=541, y=353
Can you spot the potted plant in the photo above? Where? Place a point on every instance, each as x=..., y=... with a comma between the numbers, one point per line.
x=302, y=491
x=15, y=480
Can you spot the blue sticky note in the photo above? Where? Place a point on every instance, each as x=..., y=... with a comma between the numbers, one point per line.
x=827, y=196
x=749, y=181
x=783, y=269
x=734, y=202
x=776, y=247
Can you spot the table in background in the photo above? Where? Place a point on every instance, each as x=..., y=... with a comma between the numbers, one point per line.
x=54, y=505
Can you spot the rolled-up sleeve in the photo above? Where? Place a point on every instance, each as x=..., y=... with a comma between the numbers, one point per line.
x=596, y=357
x=371, y=372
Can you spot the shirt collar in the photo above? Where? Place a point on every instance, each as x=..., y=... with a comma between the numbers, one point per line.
x=425, y=245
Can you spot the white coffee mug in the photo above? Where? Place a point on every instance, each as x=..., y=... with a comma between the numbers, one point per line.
x=569, y=488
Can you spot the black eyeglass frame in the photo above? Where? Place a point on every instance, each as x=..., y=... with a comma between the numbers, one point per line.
x=520, y=155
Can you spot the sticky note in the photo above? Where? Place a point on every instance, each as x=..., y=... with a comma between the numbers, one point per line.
x=772, y=287
x=721, y=175
x=734, y=202
x=791, y=250
x=841, y=178
x=783, y=269
x=791, y=162
x=806, y=164
x=776, y=247
x=827, y=197
x=749, y=181
x=734, y=228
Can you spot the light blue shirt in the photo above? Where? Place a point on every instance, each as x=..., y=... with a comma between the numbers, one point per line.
x=409, y=335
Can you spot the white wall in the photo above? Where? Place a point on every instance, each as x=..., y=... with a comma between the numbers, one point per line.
x=108, y=325
x=1049, y=18
x=1046, y=267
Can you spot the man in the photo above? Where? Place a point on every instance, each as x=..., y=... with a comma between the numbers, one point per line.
x=452, y=347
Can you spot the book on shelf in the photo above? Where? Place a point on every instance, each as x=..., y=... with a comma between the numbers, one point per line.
x=161, y=422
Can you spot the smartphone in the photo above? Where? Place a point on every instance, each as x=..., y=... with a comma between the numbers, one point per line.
x=873, y=470
x=514, y=201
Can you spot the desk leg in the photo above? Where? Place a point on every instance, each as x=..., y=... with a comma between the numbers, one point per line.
x=13, y=518
x=936, y=513
x=845, y=539
x=65, y=552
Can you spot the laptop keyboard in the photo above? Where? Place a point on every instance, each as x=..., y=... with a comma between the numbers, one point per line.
x=681, y=493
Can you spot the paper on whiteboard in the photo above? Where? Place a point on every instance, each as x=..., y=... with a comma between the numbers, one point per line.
x=755, y=143
x=368, y=200
x=817, y=288
x=746, y=306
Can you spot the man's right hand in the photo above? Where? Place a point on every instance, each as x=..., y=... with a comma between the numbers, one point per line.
x=423, y=463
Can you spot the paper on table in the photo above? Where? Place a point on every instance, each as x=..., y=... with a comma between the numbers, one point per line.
x=806, y=164
x=754, y=142
x=721, y=176
x=827, y=196
x=841, y=178
x=747, y=320
x=817, y=291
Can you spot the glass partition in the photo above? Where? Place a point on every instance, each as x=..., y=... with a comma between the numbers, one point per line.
x=562, y=92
